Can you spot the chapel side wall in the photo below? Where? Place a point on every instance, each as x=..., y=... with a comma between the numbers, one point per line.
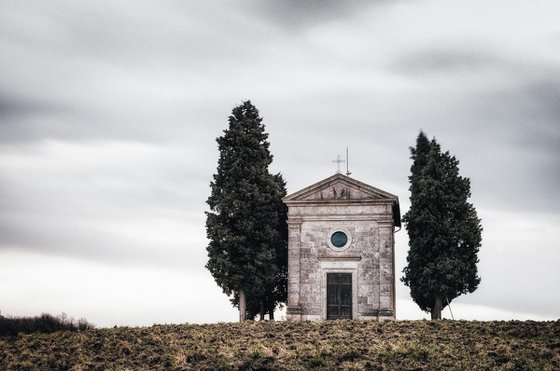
x=386, y=271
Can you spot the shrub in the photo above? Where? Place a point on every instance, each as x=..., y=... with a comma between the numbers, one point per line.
x=45, y=323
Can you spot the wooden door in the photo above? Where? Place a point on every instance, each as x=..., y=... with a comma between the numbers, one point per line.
x=339, y=295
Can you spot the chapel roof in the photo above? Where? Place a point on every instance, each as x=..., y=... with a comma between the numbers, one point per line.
x=342, y=188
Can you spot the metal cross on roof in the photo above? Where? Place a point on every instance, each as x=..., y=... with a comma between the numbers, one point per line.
x=338, y=161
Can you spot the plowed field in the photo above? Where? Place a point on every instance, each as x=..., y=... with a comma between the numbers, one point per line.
x=401, y=345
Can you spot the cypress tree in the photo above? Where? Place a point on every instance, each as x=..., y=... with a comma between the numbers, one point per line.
x=443, y=228
x=246, y=219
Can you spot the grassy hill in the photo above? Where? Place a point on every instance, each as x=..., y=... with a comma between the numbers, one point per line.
x=402, y=345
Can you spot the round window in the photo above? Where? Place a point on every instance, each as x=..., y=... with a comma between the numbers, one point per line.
x=339, y=239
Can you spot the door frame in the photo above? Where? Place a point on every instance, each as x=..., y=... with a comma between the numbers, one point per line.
x=338, y=266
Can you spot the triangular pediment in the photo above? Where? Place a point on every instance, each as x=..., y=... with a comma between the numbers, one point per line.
x=339, y=187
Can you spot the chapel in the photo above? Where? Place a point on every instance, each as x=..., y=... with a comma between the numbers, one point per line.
x=341, y=251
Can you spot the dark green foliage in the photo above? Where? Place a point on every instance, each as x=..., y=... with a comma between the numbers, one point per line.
x=45, y=323
x=443, y=227
x=246, y=224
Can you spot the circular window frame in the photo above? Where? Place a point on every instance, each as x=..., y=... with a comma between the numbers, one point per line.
x=342, y=248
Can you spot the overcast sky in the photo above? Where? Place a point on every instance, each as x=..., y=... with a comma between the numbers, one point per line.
x=109, y=111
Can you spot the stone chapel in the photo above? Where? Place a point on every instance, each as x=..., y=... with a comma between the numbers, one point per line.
x=341, y=258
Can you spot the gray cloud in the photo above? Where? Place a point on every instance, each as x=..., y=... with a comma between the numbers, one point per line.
x=105, y=202
x=12, y=107
x=521, y=135
x=64, y=238
x=294, y=14
x=91, y=72
x=445, y=60
x=494, y=109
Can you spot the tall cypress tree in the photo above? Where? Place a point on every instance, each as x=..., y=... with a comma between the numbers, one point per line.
x=245, y=223
x=443, y=228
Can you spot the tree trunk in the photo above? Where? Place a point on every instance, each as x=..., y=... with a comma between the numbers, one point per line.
x=271, y=312
x=242, y=306
x=436, y=310
x=261, y=312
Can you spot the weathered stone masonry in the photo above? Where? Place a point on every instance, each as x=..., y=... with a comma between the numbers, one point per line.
x=342, y=229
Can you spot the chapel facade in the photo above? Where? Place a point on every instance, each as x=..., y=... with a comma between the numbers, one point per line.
x=341, y=258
